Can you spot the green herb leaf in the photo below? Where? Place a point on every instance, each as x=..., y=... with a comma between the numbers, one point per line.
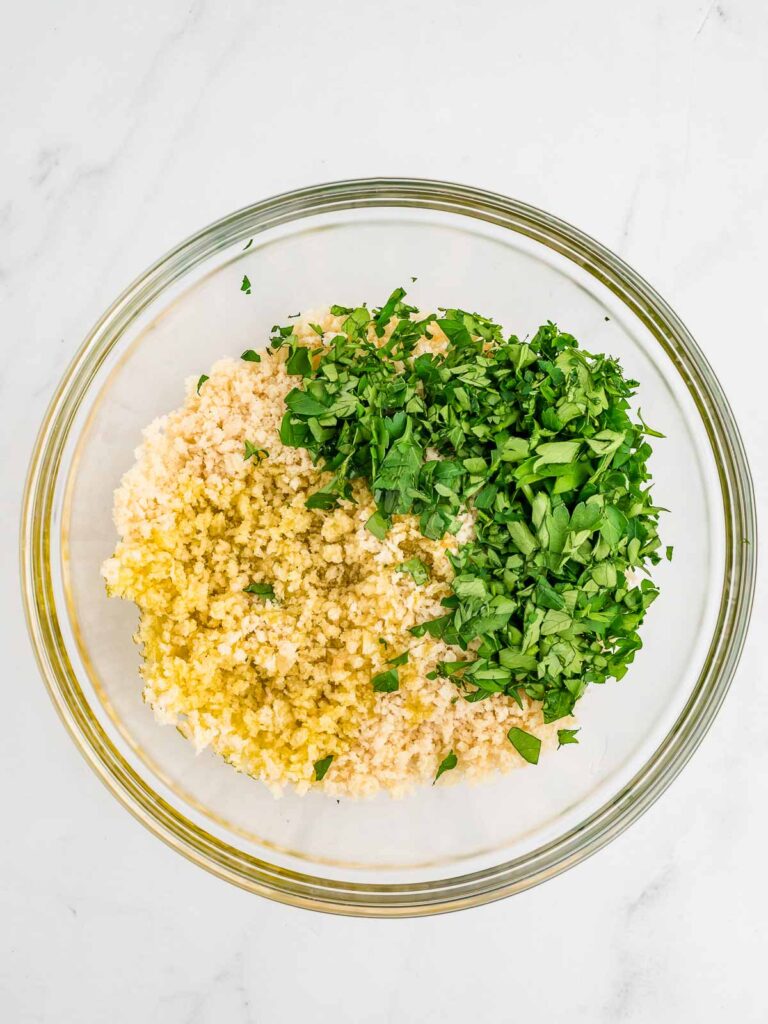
x=646, y=429
x=250, y=356
x=386, y=682
x=322, y=766
x=246, y=285
x=565, y=736
x=527, y=746
x=303, y=404
x=261, y=590
x=557, y=452
x=203, y=378
x=415, y=568
x=253, y=451
x=299, y=363
x=400, y=659
x=448, y=763
x=378, y=525
x=322, y=500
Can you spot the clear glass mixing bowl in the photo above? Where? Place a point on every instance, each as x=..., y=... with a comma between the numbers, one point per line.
x=444, y=848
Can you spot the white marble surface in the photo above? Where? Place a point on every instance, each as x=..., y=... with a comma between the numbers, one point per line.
x=126, y=126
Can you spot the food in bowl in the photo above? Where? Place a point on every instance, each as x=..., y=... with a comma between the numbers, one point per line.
x=388, y=548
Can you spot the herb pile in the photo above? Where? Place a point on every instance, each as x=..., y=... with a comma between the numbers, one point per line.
x=537, y=441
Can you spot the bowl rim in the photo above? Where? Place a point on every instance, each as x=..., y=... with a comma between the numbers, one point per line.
x=462, y=890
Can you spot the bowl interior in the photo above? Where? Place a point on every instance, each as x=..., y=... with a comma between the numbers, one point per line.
x=350, y=256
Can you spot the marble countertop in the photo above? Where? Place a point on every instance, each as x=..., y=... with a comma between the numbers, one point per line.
x=125, y=128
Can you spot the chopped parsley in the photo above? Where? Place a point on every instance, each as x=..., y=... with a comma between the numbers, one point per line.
x=565, y=736
x=527, y=746
x=261, y=590
x=250, y=356
x=415, y=568
x=202, y=379
x=246, y=285
x=449, y=761
x=299, y=363
x=378, y=524
x=399, y=659
x=538, y=441
x=386, y=682
x=322, y=766
x=253, y=451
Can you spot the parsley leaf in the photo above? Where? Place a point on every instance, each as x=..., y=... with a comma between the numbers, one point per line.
x=203, y=378
x=299, y=364
x=378, y=525
x=415, y=568
x=447, y=764
x=386, y=682
x=565, y=736
x=261, y=590
x=253, y=451
x=250, y=356
x=525, y=744
x=400, y=659
x=246, y=285
x=322, y=766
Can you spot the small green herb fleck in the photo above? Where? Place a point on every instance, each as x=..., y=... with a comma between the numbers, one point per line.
x=246, y=285
x=250, y=356
x=261, y=590
x=203, y=378
x=253, y=451
x=525, y=744
x=386, y=682
x=415, y=568
x=248, y=244
x=447, y=764
x=646, y=429
x=668, y=552
x=317, y=329
x=565, y=736
x=322, y=766
x=400, y=659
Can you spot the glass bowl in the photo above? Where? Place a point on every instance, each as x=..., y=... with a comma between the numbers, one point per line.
x=456, y=845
